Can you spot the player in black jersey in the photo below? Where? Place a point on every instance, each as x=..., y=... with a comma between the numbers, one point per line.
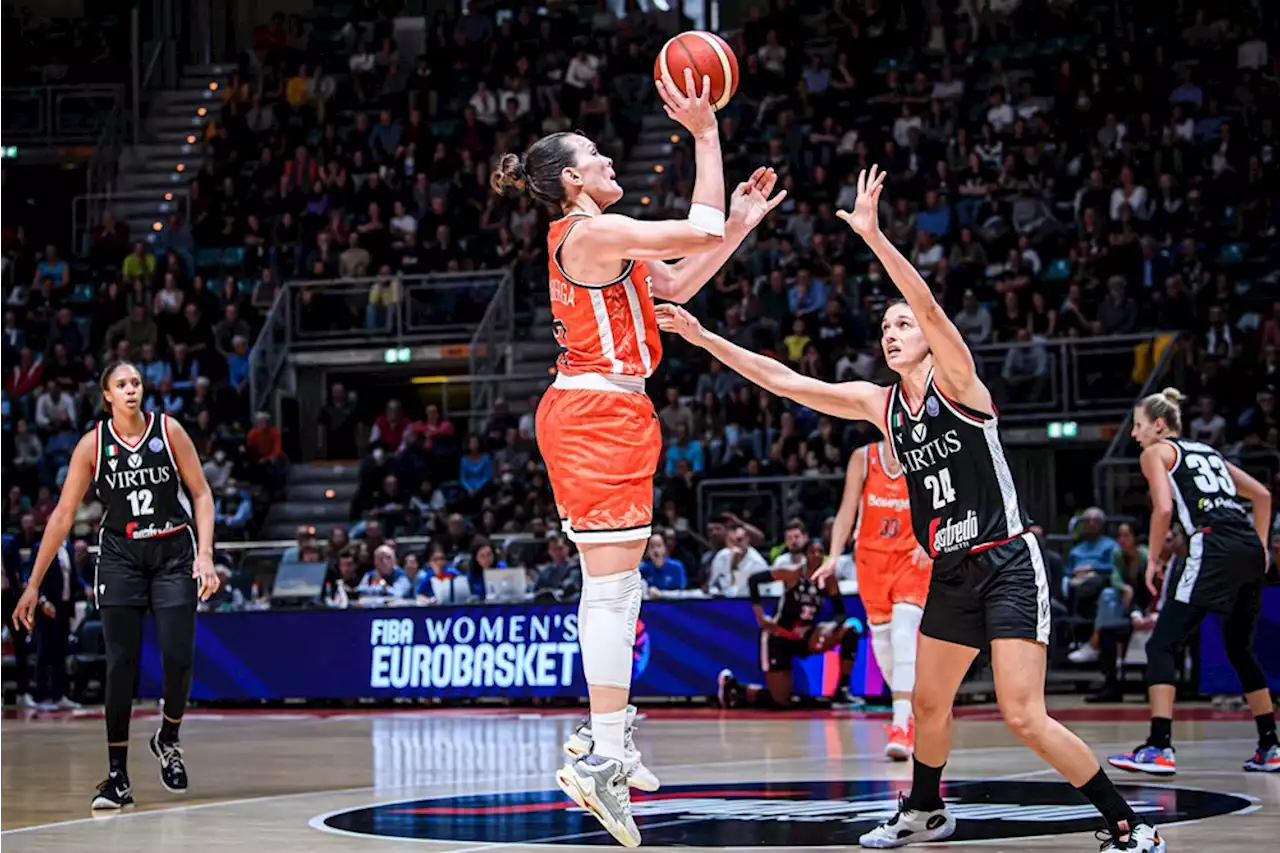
x=147, y=475
x=989, y=583
x=1224, y=573
x=794, y=631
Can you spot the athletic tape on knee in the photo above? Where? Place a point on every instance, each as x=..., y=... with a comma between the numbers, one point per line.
x=612, y=605
x=882, y=645
x=904, y=633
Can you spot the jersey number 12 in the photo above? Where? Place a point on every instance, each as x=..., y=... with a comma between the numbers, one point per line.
x=140, y=502
x=939, y=486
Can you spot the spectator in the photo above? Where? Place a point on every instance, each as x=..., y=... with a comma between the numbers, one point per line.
x=1208, y=426
x=795, y=540
x=54, y=405
x=389, y=427
x=561, y=575
x=232, y=512
x=230, y=327
x=680, y=447
x=265, y=444
x=734, y=563
x=137, y=329
x=217, y=469
x=441, y=584
x=475, y=471
x=675, y=412
x=974, y=321
x=385, y=580
x=659, y=570
x=139, y=264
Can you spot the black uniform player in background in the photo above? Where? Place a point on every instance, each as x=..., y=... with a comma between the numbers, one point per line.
x=148, y=477
x=989, y=584
x=794, y=631
x=1225, y=572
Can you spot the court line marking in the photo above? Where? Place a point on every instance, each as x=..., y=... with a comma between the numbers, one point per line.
x=755, y=762
x=318, y=822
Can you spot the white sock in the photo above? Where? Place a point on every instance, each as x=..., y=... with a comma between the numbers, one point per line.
x=901, y=712
x=607, y=731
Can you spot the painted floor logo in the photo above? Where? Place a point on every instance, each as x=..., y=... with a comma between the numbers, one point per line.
x=769, y=814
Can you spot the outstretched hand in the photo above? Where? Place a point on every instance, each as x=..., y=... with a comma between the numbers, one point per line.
x=864, y=218
x=751, y=201
x=673, y=318
x=685, y=104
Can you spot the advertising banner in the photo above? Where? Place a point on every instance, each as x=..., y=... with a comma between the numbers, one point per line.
x=516, y=651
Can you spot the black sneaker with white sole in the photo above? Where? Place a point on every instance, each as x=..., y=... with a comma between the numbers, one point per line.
x=114, y=792
x=727, y=689
x=173, y=772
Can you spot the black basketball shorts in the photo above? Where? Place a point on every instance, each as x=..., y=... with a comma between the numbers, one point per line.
x=777, y=652
x=1219, y=568
x=997, y=593
x=153, y=573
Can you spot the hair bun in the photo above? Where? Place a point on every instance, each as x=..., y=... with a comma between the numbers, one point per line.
x=508, y=177
x=1173, y=395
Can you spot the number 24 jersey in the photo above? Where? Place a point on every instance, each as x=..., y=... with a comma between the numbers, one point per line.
x=962, y=493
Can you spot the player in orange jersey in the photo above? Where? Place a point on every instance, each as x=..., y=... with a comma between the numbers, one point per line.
x=893, y=576
x=596, y=427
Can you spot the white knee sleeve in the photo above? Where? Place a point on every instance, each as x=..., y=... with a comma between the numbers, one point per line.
x=882, y=645
x=904, y=631
x=607, y=618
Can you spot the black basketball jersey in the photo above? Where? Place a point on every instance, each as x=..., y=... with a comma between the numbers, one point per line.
x=141, y=493
x=798, y=607
x=1204, y=495
x=958, y=480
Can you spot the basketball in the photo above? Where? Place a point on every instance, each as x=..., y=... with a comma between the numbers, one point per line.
x=708, y=55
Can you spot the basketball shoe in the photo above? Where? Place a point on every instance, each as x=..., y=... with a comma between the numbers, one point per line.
x=173, y=772
x=1264, y=761
x=728, y=692
x=902, y=742
x=114, y=792
x=1146, y=759
x=599, y=785
x=1143, y=838
x=909, y=826
x=581, y=743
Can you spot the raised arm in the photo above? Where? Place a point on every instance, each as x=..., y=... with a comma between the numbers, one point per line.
x=855, y=401
x=79, y=475
x=953, y=365
x=1257, y=494
x=749, y=205
x=612, y=235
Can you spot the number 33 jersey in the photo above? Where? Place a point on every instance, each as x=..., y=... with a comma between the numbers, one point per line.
x=142, y=495
x=962, y=493
x=1204, y=495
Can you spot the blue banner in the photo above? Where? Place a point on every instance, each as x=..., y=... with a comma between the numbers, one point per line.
x=517, y=651
x=1216, y=674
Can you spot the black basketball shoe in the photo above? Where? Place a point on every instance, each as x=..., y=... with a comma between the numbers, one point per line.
x=114, y=792
x=173, y=773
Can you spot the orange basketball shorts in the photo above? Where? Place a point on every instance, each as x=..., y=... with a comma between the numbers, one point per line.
x=886, y=579
x=601, y=448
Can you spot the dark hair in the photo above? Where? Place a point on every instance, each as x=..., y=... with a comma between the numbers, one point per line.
x=104, y=379
x=538, y=171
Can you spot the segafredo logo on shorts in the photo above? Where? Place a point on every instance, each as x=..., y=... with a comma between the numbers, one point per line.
x=783, y=815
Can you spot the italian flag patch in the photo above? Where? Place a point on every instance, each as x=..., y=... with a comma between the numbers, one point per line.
x=112, y=450
x=897, y=421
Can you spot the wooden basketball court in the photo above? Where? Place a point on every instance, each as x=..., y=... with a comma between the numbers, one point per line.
x=456, y=780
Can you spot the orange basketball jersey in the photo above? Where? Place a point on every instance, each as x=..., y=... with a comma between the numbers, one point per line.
x=884, y=519
x=602, y=328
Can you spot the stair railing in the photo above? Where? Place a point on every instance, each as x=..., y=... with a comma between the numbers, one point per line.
x=491, y=346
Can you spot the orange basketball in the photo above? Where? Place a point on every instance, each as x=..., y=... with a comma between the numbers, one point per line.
x=708, y=55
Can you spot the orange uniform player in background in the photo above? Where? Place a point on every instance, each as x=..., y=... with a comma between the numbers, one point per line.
x=893, y=575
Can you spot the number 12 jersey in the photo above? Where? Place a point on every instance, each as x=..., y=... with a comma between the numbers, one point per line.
x=142, y=495
x=962, y=493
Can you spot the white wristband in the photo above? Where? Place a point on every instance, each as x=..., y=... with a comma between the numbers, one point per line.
x=707, y=219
